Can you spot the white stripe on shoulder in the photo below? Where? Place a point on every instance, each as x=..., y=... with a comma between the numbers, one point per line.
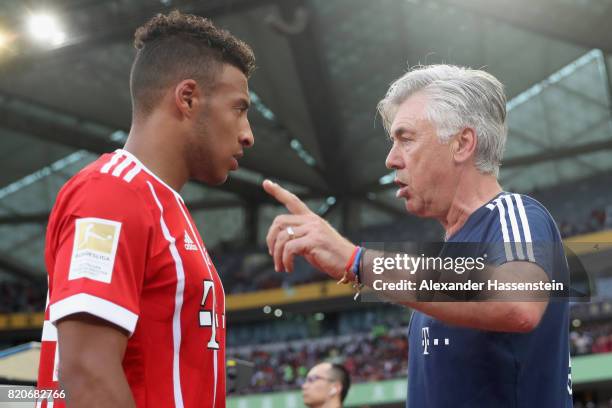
x=515, y=229
x=504, y=229
x=178, y=303
x=111, y=162
x=149, y=172
x=525, y=225
x=122, y=166
x=490, y=206
x=132, y=173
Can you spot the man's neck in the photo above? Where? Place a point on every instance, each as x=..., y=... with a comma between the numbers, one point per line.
x=472, y=192
x=334, y=403
x=160, y=149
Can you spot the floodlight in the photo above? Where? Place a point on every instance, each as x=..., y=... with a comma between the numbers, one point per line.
x=44, y=27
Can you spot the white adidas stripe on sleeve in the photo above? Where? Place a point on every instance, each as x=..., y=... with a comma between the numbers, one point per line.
x=519, y=225
x=525, y=225
x=515, y=228
x=504, y=229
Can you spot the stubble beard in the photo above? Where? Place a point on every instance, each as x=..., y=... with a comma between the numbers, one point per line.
x=197, y=151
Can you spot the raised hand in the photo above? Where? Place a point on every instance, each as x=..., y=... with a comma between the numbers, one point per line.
x=302, y=232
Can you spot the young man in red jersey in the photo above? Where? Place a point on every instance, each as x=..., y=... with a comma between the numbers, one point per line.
x=136, y=310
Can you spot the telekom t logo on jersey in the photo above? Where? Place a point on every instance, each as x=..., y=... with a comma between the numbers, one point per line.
x=208, y=318
x=426, y=342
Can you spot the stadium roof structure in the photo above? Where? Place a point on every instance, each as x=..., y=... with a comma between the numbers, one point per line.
x=322, y=67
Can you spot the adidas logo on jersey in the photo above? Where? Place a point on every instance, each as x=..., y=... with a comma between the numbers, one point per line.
x=189, y=244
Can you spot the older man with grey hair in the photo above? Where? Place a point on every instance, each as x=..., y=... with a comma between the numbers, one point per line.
x=448, y=129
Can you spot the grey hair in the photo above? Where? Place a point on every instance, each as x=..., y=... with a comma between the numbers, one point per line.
x=458, y=98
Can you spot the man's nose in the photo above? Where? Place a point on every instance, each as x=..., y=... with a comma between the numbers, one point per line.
x=246, y=137
x=394, y=160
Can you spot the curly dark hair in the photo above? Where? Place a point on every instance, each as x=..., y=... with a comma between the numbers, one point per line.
x=178, y=46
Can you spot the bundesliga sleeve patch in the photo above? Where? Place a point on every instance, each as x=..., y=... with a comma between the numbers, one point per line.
x=94, y=249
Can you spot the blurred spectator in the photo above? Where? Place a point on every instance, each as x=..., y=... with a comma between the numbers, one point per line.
x=326, y=386
x=366, y=357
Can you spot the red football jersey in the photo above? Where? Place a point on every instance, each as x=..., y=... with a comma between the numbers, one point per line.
x=122, y=246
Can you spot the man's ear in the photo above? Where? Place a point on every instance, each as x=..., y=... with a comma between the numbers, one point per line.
x=186, y=94
x=463, y=145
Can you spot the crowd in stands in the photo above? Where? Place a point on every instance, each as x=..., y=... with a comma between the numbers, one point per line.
x=599, y=219
x=591, y=340
x=316, y=325
x=20, y=296
x=590, y=399
x=375, y=356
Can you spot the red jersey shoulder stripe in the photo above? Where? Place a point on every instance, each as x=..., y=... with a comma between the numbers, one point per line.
x=120, y=163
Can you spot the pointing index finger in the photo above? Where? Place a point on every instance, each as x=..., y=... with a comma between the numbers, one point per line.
x=285, y=197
